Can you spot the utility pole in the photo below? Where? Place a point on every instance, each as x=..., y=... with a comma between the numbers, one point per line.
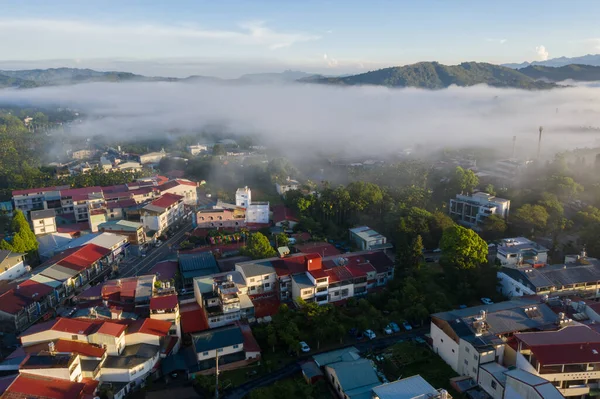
x=217, y=374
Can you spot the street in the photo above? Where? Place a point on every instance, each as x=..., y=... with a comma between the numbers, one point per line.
x=142, y=265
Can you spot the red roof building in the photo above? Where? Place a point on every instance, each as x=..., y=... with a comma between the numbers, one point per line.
x=165, y=270
x=62, y=346
x=149, y=326
x=193, y=318
x=166, y=200
x=324, y=249
x=164, y=302
x=84, y=257
x=27, y=386
x=112, y=329
x=72, y=326
x=281, y=214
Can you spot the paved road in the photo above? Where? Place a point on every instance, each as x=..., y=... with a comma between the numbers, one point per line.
x=289, y=370
x=155, y=255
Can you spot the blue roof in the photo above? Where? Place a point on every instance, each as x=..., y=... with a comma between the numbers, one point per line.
x=197, y=265
x=218, y=338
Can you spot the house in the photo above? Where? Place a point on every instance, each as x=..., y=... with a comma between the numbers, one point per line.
x=260, y=276
x=134, y=231
x=472, y=210
x=162, y=213
x=224, y=299
x=233, y=345
x=132, y=294
x=83, y=154
x=130, y=166
x=322, y=248
x=132, y=366
x=166, y=307
x=512, y=252
x=353, y=379
x=219, y=218
x=183, y=187
x=43, y=222
x=243, y=197
x=197, y=264
x=160, y=333
x=579, y=275
x=12, y=265
x=286, y=186
x=366, y=238
x=47, y=387
x=523, y=385
x=415, y=387
x=36, y=199
x=568, y=357
x=258, y=212
x=284, y=217
x=467, y=338
x=197, y=149
x=311, y=372
x=152, y=157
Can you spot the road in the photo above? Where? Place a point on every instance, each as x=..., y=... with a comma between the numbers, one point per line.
x=289, y=370
x=143, y=265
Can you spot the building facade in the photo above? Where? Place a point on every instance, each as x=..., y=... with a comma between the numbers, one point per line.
x=472, y=210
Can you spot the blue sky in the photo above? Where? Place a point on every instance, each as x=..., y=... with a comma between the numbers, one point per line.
x=229, y=37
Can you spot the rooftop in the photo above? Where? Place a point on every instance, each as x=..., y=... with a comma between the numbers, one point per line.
x=197, y=264
x=164, y=302
x=166, y=200
x=357, y=378
x=325, y=249
x=366, y=233
x=302, y=281
x=122, y=225
x=257, y=268
x=132, y=356
x=149, y=326
x=218, y=338
x=43, y=214
x=27, y=386
x=406, y=388
x=340, y=355
x=556, y=275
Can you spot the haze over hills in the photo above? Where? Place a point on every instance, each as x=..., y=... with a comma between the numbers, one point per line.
x=432, y=75
x=589, y=59
x=582, y=73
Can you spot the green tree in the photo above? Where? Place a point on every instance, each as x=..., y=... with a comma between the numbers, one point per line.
x=463, y=248
x=493, y=227
x=490, y=189
x=416, y=252
x=532, y=217
x=258, y=247
x=282, y=240
x=23, y=239
x=465, y=179
x=271, y=336
x=219, y=149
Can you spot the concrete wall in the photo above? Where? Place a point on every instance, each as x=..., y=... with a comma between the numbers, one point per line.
x=490, y=384
x=127, y=375
x=445, y=347
x=50, y=335
x=140, y=338
x=523, y=364
x=114, y=345
x=332, y=292
x=14, y=272
x=512, y=288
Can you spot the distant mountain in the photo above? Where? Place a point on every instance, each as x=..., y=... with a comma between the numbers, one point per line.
x=590, y=59
x=281, y=77
x=582, y=73
x=432, y=75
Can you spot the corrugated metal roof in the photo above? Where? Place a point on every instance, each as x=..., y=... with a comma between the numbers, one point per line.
x=218, y=338
x=356, y=378
x=406, y=388
x=197, y=264
x=46, y=280
x=58, y=272
x=260, y=268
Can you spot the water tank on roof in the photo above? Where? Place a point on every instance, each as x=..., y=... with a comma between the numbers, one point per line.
x=229, y=277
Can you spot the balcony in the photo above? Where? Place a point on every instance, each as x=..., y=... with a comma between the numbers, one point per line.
x=578, y=390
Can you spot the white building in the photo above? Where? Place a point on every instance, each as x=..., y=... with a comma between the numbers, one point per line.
x=12, y=265
x=260, y=276
x=367, y=238
x=197, y=149
x=289, y=185
x=472, y=210
x=152, y=157
x=519, y=251
x=43, y=222
x=415, y=387
x=186, y=188
x=258, y=212
x=162, y=213
x=243, y=197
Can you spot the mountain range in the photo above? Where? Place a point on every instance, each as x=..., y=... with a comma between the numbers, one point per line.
x=589, y=59
x=427, y=75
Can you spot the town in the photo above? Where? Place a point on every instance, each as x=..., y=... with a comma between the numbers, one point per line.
x=134, y=276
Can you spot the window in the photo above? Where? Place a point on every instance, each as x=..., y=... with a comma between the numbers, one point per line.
x=466, y=362
x=252, y=279
x=336, y=293
x=74, y=337
x=235, y=346
x=306, y=292
x=441, y=339
x=474, y=370
x=220, y=350
x=205, y=354
x=475, y=357
x=494, y=385
x=467, y=349
x=452, y=350
x=267, y=285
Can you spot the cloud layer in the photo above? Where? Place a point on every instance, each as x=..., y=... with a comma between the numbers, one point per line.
x=304, y=119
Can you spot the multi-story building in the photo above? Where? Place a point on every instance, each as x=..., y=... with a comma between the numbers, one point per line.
x=152, y=157
x=83, y=154
x=243, y=197
x=568, y=358
x=224, y=298
x=260, y=276
x=12, y=265
x=258, y=212
x=186, y=188
x=468, y=338
x=517, y=251
x=134, y=231
x=472, y=210
x=162, y=213
x=43, y=222
x=288, y=185
x=197, y=149
x=166, y=307
x=578, y=275
x=219, y=218
x=36, y=199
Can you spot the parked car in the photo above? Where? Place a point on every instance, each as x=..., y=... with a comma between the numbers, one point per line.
x=419, y=340
x=487, y=301
x=304, y=347
x=369, y=334
x=406, y=325
x=158, y=243
x=429, y=260
x=437, y=250
x=388, y=329
x=462, y=306
x=395, y=327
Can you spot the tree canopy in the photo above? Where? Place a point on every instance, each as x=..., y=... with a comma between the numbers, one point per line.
x=463, y=248
x=258, y=247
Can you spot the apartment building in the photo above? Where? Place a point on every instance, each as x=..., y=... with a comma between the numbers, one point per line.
x=166, y=307
x=366, y=238
x=43, y=222
x=517, y=251
x=260, y=276
x=134, y=231
x=186, y=188
x=578, y=275
x=472, y=210
x=162, y=213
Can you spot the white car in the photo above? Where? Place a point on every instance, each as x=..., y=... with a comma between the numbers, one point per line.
x=388, y=330
x=158, y=243
x=437, y=250
x=369, y=334
x=487, y=301
x=406, y=325
x=304, y=347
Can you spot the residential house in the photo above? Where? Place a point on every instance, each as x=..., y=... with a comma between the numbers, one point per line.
x=219, y=218
x=196, y=264
x=579, y=275
x=166, y=308
x=224, y=299
x=567, y=357
x=513, y=252
x=43, y=222
x=286, y=186
x=197, y=149
x=468, y=338
x=35, y=386
x=12, y=265
x=243, y=197
x=284, y=217
x=132, y=366
x=132, y=294
x=160, y=333
x=523, y=385
x=472, y=210
x=234, y=345
x=129, y=167
x=162, y=213
x=258, y=212
x=36, y=199
x=83, y=154
x=352, y=380
x=183, y=187
x=260, y=276
x=366, y=238
x=134, y=231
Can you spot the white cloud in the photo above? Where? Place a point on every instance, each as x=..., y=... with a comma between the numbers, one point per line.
x=542, y=52
x=124, y=39
x=331, y=62
x=499, y=41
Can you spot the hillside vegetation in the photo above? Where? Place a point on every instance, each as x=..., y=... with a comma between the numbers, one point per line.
x=584, y=73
